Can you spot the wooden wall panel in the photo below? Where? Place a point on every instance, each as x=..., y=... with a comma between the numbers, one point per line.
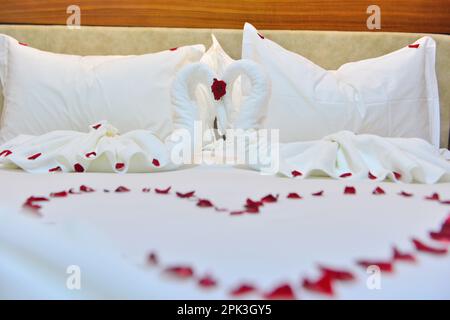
x=431, y=16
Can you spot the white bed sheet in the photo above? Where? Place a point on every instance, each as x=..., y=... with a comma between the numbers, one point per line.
x=110, y=234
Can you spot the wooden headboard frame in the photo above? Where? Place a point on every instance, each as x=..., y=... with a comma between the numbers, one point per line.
x=418, y=16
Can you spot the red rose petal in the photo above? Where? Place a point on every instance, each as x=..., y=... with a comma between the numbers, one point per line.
x=433, y=197
x=243, y=289
x=86, y=189
x=405, y=194
x=420, y=246
x=163, y=191
x=293, y=195
x=122, y=189
x=30, y=203
x=384, y=266
x=371, y=176
x=90, y=154
x=251, y=209
x=78, y=168
x=185, y=195
x=445, y=202
x=283, y=291
x=296, y=173
x=349, y=190
x=340, y=275
x=180, y=271
x=37, y=199
x=253, y=206
x=440, y=236
x=414, y=46
x=378, y=190
x=345, y=175
x=155, y=162
x=23, y=44
x=146, y=190
x=152, y=258
x=173, y=49
x=120, y=166
x=397, y=175
x=204, y=203
x=207, y=282
x=318, y=193
x=97, y=126
x=237, y=213
x=34, y=156
x=269, y=199
x=323, y=285
x=5, y=153
x=55, y=169
x=218, y=88
x=61, y=194
x=400, y=256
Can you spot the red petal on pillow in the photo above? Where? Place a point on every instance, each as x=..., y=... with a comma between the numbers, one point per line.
x=152, y=258
x=122, y=189
x=120, y=166
x=86, y=189
x=218, y=88
x=323, y=285
x=371, y=176
x=397, y=175
x=317, y=194
x=243, y=289
x=400, y=256
x=90, y=154
x=345, y=175
x=78, y=168
x=420, y=246
x=269, y=199
x=293, y=195
x=155, y=162
x=440, y=236
x=283, y=292
x=384, y=266
x=349, y=190
x=173, y=49
x=405, y=194
x=5, y=153
x=61, y=194
x=433, y=197
x=378, y=190
x=180, y=271
x=23, y=44
x=34, y=156
x=185, y=195
x=340, y=275
x=146, y=190
x=207, y=282
x=163, y=191
x=55, y=169
x=204, y=203
x=260, y=35
x=296, y=173
x=237, y=213
x=97, y=126
x=414, y=46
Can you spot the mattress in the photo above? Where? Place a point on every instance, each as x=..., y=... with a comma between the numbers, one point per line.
x=125, y=244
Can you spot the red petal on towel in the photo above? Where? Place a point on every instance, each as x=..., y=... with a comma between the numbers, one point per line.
x=293, y=195
x=34, y=156
x=340, y=275
x=296, y=173
x=180, y=271
x=186, y=195
x=120, y=166
x=317, y=194
x=440, y=236
x=55, y=169
x=61, y=194
x=260, y=35
x=445, y=202
x=243, y=289
x=405, y=194
x=349, y=190
x=97, y=126
x=420, y=246
x=250, y=203
x=90, y=154
x=269, y=199
x=163, y=191
x=86, y=189
x=146, y=190
x=23, y=44
x=433, y=197
x=378, y=190
x=283, y=291
x=397, y=175
x=345, y=175
x=204, y=203
x=5, y=153
x=37, y=199
x=414, y=46
x=152, y=258
x=218, y=88
x=371, y=176
x=400, y=256
x=207, y=282
x=78, y=168
x=251, y=209
x=237, y=213
x=323, y=285
x=30, y=203
x=122, y=189
x=173, y=49
x=384, y=266
x=155, y=162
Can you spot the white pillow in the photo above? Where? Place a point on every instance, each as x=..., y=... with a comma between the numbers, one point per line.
x=395, y=95
x=46, y=91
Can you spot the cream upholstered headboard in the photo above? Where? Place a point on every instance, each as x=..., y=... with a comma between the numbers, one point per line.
x=330, y=49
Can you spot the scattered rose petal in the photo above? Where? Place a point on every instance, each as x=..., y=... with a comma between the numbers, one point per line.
x=23, y=44
x=384, y=266
x=420, y=246
x=296, y=173
x=378, y=190
x=5, y=153
x=86, y=189
x=318, y=193
x=349, y=190
x=152, y=258
x=30, y=203
x=37, y=199
x=185, y=195
x=433, y=197
x=371, y=176
x=207, y=282
x=397, y=175
x=251, y=209
x=243, y=289
x=440, y=236
x=146, y=190
x=97, y=126
x=155, y=162
x=253, y=206
x=173, y=49
x=293, y=195
x=34, y=156
x=269, y=199
x=340, y=275
x=345, y=175
x=323, y=285
x=445, y=202
x=414, y=46
x=120, y=166
x=78, y=168
x=91, y=154
x=180, y=271
x=163, y=191
x=283, y=291
x=55, y=169
x=122, y=189
x=405, y=194
x=61, y=194
x=203, y=203
x=237, y=213
x=218, y=88
x=400, y=256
